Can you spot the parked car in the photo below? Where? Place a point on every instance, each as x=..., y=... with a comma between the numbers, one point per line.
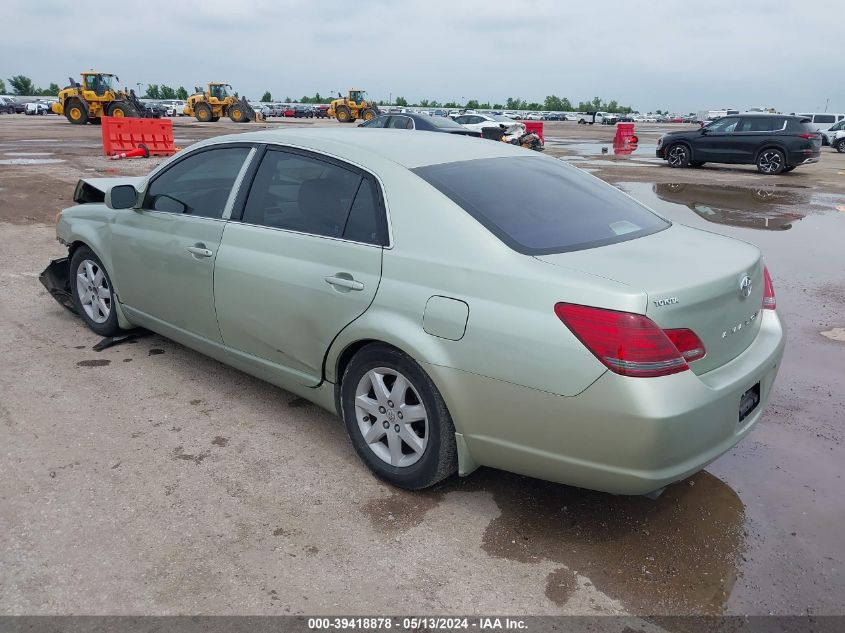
x=7, y=105
x=174, y=107
x=837, y=139
x=506, y=309
x=288, y=111
x=828, y=134
x=423, y=122
x=478, y=122
x=602, y=118
x=775, y=143
x=677, y=119
x=155, y=109
x=303, y=112
x=822, y=121
x=37, y=107
x=321, y=111
x=534, y=116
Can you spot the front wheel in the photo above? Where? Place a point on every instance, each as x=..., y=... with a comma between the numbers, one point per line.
x=397, y=419
x=92, y=292
x=839, y=146
x=343, y=114
x=678, y=155
x=771, y=161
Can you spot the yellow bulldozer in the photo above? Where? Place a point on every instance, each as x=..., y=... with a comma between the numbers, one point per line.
x=216, y=102
x=354, y=106
x=96, y=97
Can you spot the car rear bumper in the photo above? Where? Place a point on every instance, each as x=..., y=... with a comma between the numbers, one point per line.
x=621, y=435
x=803, y=156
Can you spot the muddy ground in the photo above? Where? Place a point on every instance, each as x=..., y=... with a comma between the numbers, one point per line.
x=147, y=478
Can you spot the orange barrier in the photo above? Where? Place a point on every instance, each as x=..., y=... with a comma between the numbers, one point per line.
x=536, y=127
x=624, y=133
x=126, y=134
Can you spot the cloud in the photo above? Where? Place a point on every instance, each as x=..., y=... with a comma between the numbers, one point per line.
x=674, y=54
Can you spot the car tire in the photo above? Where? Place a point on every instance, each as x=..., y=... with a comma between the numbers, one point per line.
x=678, y=155
x=88, y=276
x=839, y=145
x=771, y=162
x=409, y=453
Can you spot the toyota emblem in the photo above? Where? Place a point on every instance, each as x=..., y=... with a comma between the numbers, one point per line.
x=745, y=286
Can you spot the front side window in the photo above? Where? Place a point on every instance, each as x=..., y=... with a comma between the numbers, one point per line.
x=198, y=185
x=539, y=205
x=723, y=126
x=308, y=195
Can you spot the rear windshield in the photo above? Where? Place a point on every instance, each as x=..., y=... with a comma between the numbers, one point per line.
x=539, y=206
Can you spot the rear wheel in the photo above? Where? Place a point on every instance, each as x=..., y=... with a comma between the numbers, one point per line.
x=91, y=290
x=397, y=419
x=369, y=114
x=343, y=114
x=839, y=145
x=202, y=112
x=771, y=161
x=76, y=112
x=678, y=155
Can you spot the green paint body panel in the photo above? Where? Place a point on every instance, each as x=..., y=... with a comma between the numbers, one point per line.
x=524, y=393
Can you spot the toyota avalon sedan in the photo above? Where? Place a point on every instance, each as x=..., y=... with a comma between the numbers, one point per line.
x=456, y=303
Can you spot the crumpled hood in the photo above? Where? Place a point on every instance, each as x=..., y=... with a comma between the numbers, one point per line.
x=93, y=190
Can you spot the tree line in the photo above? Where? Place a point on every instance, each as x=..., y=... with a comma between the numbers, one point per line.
x=552, y=103
x=24, y=86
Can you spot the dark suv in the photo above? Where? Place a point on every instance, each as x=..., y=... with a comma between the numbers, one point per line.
x=775, y=143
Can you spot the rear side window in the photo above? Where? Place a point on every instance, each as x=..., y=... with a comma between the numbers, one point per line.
x=309, y=195
x=824, y=118
x=539, y=205
x=761, y=124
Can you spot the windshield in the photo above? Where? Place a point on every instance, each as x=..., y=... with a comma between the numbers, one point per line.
x=539, y=206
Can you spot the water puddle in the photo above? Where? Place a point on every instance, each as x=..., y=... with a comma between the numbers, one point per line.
x=31, y=161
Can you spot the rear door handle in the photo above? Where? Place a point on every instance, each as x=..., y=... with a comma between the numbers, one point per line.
x=343, y=282
x=199, y=250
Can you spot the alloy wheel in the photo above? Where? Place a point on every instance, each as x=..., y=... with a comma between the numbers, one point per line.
x=93, y=290
x=677, y=156
x=391, y=417
x=770, y=162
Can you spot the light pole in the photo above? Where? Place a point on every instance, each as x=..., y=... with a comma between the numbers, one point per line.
x=139, y=87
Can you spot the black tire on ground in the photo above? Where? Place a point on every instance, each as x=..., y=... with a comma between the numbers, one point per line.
x=343, y=114
x=75, y=112
x=202, y=112
x=83, y=256
x=697, y=163
x=369, y=114
x=236, y=113
x=439, y=458
x=771, y=161
x=122, y=109
x=839, y=145
x=678, y=155
x=215, y=119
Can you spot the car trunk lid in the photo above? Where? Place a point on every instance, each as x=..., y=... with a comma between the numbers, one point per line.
x=693, y=279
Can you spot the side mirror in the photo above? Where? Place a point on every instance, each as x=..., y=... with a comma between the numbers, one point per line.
x=704, y=131
x=121, y=197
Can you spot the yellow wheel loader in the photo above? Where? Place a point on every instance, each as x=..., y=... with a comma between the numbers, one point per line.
x=216, y=102
x=354, y=106
x=96, y=97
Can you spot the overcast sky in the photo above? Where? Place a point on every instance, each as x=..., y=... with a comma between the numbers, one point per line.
x=681, y=55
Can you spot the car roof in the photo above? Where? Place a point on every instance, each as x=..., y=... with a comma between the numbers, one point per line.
x=405, y=147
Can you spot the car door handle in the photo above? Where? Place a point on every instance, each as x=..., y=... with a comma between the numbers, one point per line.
x=343, y=282
x=199, y=250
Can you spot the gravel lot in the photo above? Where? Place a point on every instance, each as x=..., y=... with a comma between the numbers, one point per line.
x=147, y=478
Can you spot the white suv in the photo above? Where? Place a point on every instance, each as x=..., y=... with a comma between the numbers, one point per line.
x=835, y=135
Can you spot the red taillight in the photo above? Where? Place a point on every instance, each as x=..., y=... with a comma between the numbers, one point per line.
x=807, y=136
x=687, y=343
x=768, y=291
x=626, y=343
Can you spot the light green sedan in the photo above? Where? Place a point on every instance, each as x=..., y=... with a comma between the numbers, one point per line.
x=458, y=302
